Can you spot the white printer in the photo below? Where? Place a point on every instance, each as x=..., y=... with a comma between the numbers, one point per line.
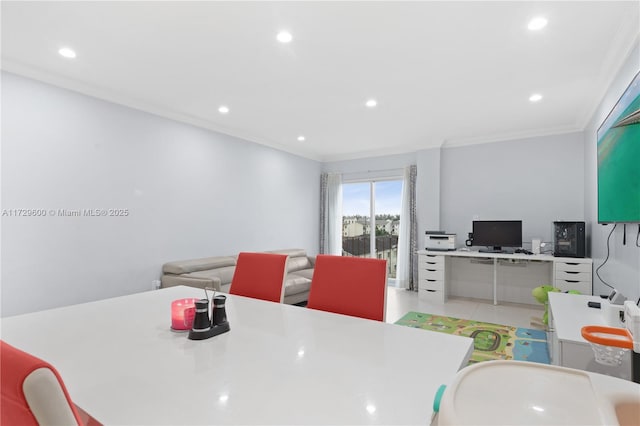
x=439, y=240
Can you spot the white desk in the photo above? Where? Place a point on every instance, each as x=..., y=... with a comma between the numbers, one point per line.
x=568, y=313
x=434, y=272
x=279, y=364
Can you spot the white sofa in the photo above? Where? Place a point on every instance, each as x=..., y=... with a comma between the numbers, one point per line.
x=217, y=272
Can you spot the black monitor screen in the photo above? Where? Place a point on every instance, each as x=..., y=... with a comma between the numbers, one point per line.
x=497, y=233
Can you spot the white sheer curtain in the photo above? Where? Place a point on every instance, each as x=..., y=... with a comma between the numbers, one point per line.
x=407, y=231
x=331, y=214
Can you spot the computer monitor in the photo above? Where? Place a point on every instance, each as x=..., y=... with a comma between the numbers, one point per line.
x=496, y=234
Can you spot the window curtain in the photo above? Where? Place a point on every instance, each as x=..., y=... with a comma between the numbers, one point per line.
x=407, y=271
x=331, y=213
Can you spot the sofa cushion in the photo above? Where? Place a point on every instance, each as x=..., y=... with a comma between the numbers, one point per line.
x=298, y=263
x=307, y=273
x=290, y=252
x=295, y=284
x=193, y=265
x=225, y=274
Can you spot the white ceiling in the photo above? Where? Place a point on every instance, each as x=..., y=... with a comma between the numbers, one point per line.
x=442, y=72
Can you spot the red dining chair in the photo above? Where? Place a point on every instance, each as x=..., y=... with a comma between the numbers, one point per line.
x=260, y=275
x=33, y=392
x=355, y=286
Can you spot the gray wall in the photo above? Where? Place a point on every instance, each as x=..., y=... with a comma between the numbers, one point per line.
x=622, y=271
x=189, y=192
x=537, y=180
x=428, y=192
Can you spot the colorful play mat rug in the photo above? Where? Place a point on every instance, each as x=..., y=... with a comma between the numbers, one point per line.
x=490, y=341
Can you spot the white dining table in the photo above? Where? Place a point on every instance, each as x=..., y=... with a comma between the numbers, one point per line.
x=279, y=364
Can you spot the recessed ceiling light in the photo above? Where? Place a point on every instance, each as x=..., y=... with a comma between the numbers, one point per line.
x=371, y=103
x=284, y=37
x=537, y=23
x=223, y=109
x=67, y=52
x=301, y=138
x=535, y=97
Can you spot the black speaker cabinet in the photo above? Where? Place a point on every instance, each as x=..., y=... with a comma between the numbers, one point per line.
x=568, y=239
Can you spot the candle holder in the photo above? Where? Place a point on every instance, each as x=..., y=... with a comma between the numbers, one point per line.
x=182, y=314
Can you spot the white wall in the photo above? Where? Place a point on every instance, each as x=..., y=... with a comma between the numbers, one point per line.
x=622, y=271
x=537, y=180
x=189, y=192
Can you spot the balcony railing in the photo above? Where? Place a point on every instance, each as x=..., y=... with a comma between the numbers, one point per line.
x=386, y=248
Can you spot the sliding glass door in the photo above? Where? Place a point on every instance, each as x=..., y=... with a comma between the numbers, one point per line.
x=371, y=220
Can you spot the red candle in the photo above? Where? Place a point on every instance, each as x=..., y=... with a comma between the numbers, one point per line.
x=181, y=315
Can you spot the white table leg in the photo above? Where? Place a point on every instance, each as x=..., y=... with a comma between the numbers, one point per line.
x=495, y=280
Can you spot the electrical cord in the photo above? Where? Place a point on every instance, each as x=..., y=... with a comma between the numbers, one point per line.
x=638, y=237
x=606, y=259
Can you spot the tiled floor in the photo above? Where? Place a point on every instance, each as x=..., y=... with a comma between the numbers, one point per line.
x=401, y=301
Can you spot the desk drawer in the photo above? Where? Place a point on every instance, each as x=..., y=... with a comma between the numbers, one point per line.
x=428, y=264
x=572, y=267
x=426, y=284
x=573, y=276
x=431, y=296
x=584, y=287
x=431, y=258
x=431, y=274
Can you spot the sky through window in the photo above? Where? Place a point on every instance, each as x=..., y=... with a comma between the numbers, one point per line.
x=355, y=198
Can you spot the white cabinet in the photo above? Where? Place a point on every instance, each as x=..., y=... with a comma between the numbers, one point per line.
x=568, y=313
x=431, y=278
x=573, y=274
x=437, y=270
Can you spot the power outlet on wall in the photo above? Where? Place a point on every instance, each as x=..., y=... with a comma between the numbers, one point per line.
x=155, y=285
